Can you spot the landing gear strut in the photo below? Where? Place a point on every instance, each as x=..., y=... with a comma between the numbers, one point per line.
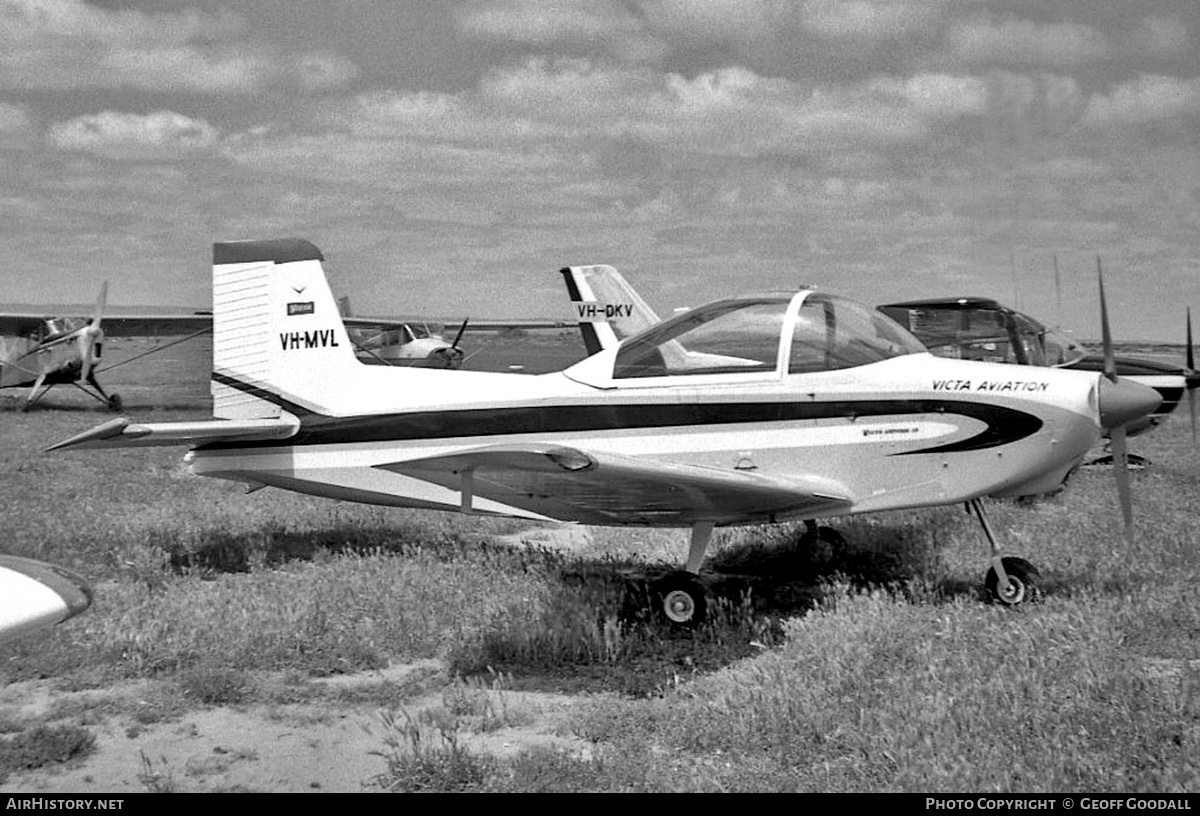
x=1010, y=581
x=824, y=545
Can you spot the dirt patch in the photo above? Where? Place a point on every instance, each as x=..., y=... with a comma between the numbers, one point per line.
x=318, y=746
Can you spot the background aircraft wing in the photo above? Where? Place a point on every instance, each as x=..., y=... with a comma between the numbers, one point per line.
x=570, y=484
x=14, y=324
x=156, y=325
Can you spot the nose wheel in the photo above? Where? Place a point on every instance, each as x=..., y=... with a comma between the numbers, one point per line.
x=1010, y=581
x=1022, y=582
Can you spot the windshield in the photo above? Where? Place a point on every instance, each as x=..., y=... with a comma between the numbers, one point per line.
x=1061, y=350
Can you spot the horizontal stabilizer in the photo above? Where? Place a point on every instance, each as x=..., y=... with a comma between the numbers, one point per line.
x=590, y=487
x=123, y=433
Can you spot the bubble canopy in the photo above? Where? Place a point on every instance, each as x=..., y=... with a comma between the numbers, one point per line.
x=775, y=334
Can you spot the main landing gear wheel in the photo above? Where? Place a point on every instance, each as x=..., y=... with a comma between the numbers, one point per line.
x=682, y=599
x=114, y=403
x=1022, y=582
x=824, y=545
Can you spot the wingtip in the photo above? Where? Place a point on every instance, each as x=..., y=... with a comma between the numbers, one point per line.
x=108, y=430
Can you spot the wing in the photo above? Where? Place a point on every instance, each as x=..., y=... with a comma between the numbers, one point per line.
x=570, y=484
x=156, y=325
x=12, y=323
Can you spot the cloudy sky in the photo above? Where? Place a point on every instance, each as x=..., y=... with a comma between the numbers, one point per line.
x=449, y=156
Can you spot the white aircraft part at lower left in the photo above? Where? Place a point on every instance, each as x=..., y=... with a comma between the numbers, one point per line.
x=35, y=595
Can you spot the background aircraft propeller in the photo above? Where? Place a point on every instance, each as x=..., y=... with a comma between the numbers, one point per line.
x=1191, y=376
x=453, y=357
x=91, y=337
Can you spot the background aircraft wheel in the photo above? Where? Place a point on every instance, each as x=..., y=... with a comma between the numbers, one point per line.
x=1022, y=582
x=682, y=599
x=114, y=403
x=824, y=546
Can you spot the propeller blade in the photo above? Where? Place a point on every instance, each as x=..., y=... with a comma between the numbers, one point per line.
x=92, y=334
x=1121, y=470
x=1110, y=363
x=461, y=329
x=101, y=300
x=1191, y=352
x=1192, y=411
x=1192, y=376
x=1120, y=448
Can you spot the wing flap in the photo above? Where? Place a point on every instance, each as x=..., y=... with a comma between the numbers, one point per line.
x=570, y=484
x=122, y=433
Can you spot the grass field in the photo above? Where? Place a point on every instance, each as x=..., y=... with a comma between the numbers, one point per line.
x=881, y=671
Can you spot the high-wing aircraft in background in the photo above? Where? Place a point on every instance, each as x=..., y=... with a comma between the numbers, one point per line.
x=419, y=342
x=396, y=342
x=35, y=595
x=756, y=409
x=39, y=351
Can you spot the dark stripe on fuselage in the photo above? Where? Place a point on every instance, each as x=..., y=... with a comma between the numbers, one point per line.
x=1004, y=425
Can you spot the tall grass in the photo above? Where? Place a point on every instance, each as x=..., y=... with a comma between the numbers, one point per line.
x=869, y=694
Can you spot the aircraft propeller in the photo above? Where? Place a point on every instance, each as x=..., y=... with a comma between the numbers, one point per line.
x=1121, y=402
x=91, y=336
x=1191, y=376
x=452, y=357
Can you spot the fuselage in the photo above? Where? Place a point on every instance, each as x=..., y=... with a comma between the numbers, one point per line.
x=24, y=359
x=908, y=431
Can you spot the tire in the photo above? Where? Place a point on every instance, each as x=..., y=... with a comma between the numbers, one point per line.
x=114, y=403
x=824, y=546
x=1023, y=580
x=682, y=599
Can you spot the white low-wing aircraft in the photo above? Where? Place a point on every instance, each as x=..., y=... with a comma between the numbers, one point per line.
x=35, y=595
x=781, y=407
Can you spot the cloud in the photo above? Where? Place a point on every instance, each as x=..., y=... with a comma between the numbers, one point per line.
x=870, y=19
x=14, y=119
x=67, y=44
x=645, y=30
x=1013, y=41
x=1149, y=98
x=1159, y=36
x=732, y=111
x=943, y=95
x=160, y=135
x=546, y=21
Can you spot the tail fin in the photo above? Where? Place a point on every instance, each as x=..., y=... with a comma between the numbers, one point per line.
x=277, y=335
x=608, y=308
